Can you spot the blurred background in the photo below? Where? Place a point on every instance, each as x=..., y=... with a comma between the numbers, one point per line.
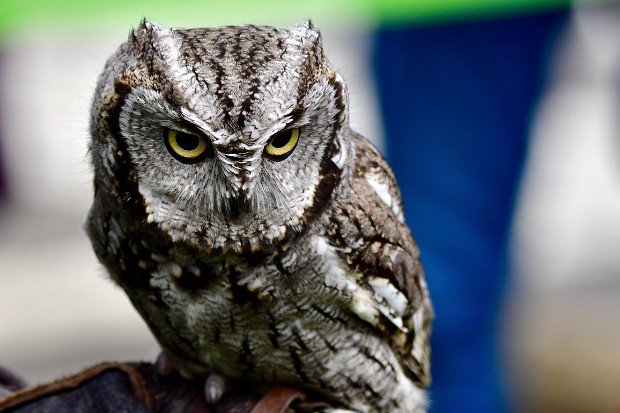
x=554, y=315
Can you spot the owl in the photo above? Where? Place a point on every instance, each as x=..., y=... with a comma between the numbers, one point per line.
x=258, y=236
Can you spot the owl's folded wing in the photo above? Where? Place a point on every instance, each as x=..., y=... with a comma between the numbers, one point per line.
x=392, y=295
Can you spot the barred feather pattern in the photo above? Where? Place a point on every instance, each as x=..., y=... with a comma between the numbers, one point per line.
x=299, y=270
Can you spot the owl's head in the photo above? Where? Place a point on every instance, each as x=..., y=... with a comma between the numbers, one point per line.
x=230, y=138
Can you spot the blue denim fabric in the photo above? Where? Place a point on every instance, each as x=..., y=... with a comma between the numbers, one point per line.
x=457, y=100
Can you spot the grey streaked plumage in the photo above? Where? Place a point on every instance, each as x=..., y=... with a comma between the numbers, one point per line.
x=279, y=252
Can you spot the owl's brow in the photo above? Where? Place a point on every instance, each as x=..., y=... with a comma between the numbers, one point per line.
x=189, y=127
x=295, y=115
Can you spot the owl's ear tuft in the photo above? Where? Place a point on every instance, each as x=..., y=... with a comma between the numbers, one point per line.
x=304, y=25
x=148, y=29
x=305, y=31
x=306, y=38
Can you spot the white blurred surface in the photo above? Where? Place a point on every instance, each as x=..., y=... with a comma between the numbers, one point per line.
x=563, y=330
x=568, y=226
x=58, y=312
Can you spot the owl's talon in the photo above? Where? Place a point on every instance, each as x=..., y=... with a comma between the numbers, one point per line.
x=163, y=364
x=166, y=362
x=215, y=387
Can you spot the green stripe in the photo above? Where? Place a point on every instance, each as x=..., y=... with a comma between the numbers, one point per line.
x=77, y=14
x=407, y=11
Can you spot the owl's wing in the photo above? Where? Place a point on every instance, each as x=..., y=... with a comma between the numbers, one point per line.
x=392, y=295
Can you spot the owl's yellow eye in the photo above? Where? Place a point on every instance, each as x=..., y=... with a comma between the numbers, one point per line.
x=185, y=147
x=282, y=144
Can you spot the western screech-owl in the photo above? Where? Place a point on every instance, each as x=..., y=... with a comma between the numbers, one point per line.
x=258, y=236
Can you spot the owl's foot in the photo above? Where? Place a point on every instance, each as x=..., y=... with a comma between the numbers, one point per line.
x=215, y=384
x=215, y=387
x=166, y=362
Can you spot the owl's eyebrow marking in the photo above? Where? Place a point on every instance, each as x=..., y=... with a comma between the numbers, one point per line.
x=294, y=116
x=191, y=128
x=195, y=125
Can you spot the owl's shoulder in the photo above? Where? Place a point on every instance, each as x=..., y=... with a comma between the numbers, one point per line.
x=368, y=231
x=372, y=174
x=368, y=228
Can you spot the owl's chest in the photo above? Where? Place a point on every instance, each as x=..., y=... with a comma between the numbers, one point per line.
x=197, y=292
x=225, y=311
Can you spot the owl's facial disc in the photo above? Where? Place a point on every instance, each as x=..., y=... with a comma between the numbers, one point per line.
x=231, y=145
x=189, y=148
x=279, y=147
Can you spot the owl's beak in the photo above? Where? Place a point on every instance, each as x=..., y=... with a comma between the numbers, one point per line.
x=236, y=207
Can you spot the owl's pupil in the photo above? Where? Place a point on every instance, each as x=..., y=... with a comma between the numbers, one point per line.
x=186, y=141
x=281, y=139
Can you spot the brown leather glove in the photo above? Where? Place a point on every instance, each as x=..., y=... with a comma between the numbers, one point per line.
x=137, y=388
